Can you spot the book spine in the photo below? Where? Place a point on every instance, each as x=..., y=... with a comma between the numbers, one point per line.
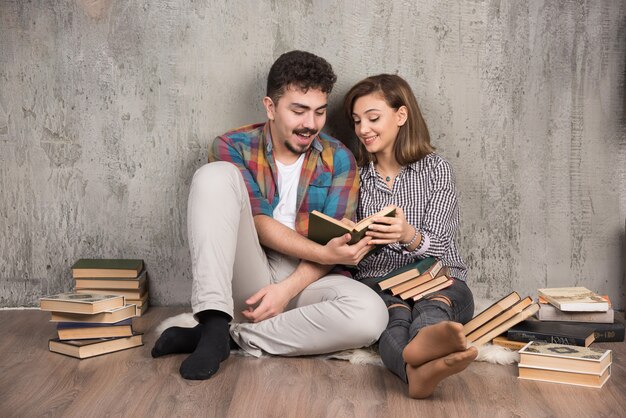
x=609, y=336
x=550, y=313
x=506, y=343
x=604, y=333
x=527, y=336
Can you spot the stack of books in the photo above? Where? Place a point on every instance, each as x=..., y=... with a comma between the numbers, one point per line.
x=89, y=325
x=416, y=280
x=573, y=316
x=127, y=278
x=558, y=363
x=498, y=318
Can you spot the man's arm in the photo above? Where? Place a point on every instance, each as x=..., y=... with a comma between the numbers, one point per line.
x=340, y=202
x=273, y=299
x=316, y=260
x=280, y=238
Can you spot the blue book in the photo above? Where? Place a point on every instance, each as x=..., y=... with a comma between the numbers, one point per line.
x=71, y=325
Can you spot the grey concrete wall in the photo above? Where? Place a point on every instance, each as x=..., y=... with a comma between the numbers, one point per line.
x=107, y=107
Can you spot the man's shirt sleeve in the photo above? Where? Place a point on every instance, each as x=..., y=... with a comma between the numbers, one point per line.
x=344, y=190
x=222, y=149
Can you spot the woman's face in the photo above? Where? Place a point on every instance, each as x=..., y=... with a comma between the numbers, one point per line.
x=376, y=124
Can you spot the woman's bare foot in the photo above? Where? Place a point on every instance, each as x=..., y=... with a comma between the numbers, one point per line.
x=435, y=341
x=423, y=379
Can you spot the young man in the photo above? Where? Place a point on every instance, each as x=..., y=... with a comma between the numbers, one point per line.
x=248, y=216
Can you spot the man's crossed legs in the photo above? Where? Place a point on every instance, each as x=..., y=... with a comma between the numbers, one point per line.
x=229, y=265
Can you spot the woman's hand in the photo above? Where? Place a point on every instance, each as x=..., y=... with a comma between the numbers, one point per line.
x=387, y=230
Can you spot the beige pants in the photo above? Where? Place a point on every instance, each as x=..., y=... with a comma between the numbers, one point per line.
x=229, y=265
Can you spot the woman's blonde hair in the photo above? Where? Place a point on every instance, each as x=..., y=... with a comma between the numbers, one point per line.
x=413, y=141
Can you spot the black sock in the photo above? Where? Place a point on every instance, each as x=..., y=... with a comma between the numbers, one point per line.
x=212, y=348
x=233, y=345
x=177, y=340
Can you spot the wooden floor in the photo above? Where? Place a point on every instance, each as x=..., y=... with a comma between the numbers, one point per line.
x=35, y=382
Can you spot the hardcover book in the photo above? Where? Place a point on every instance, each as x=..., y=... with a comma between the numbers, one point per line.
x=323, y=228
x=549, y=312
x=567, y=358
x=89, y=348
x=107, y=268
x=505, y=342
x=603, y=333
x=80, y=303
x=569, y=378
x=107, y=317
x=81, y=330
x=427, y=288
x=449, y=282
x=431, y=273
x=129, y=294
x=497, y=308
x=112, y=283
x=577, y=299
x=142, y=304
x=404, y=273
x=499, y=319
x=503, y=327
x=142, y=309
x=139, y=301
x=552, y=332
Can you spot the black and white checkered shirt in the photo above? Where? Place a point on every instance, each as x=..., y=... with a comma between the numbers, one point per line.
x=426, y=192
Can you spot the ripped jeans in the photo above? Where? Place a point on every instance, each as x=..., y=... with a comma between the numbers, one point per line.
x=404, y=324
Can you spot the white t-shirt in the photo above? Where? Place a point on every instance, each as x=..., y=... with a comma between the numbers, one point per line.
x=288, y=179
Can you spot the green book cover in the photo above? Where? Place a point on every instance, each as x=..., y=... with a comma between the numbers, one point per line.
x=420, y=266
x=322, y=231
x=108, y=264
x=323, y=228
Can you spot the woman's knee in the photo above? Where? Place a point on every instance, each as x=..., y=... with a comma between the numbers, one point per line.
x=458, y=301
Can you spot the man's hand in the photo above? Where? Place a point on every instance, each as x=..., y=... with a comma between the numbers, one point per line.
x=337, y=251
x=267, y=302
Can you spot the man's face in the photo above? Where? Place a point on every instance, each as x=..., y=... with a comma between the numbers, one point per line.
x=296, y=119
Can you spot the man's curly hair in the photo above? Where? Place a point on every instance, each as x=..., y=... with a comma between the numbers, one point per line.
x=302, y=70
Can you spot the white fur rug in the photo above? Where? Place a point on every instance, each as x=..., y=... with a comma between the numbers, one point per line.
x=488, y=352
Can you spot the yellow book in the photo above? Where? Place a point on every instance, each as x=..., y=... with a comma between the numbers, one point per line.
x=72, y=302
x=89, y=348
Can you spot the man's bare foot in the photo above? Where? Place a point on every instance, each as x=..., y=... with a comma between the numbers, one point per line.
x=433, y=342
x=423, y=379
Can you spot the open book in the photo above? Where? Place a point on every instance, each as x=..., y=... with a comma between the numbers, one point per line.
x=323, y=228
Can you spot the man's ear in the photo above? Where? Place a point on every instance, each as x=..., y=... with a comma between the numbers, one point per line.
x=269, y=107
x=402, y=114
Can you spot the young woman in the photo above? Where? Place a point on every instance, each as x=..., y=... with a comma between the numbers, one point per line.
x=423, y=342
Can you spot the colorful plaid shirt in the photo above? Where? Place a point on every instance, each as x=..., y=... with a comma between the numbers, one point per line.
x=328, y=182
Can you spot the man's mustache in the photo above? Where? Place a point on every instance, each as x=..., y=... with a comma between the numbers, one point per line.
x=304, y=131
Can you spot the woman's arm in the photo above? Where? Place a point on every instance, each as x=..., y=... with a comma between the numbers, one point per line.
x=439, y=222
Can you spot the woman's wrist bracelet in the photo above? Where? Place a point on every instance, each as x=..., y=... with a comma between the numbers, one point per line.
x=408, y=244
